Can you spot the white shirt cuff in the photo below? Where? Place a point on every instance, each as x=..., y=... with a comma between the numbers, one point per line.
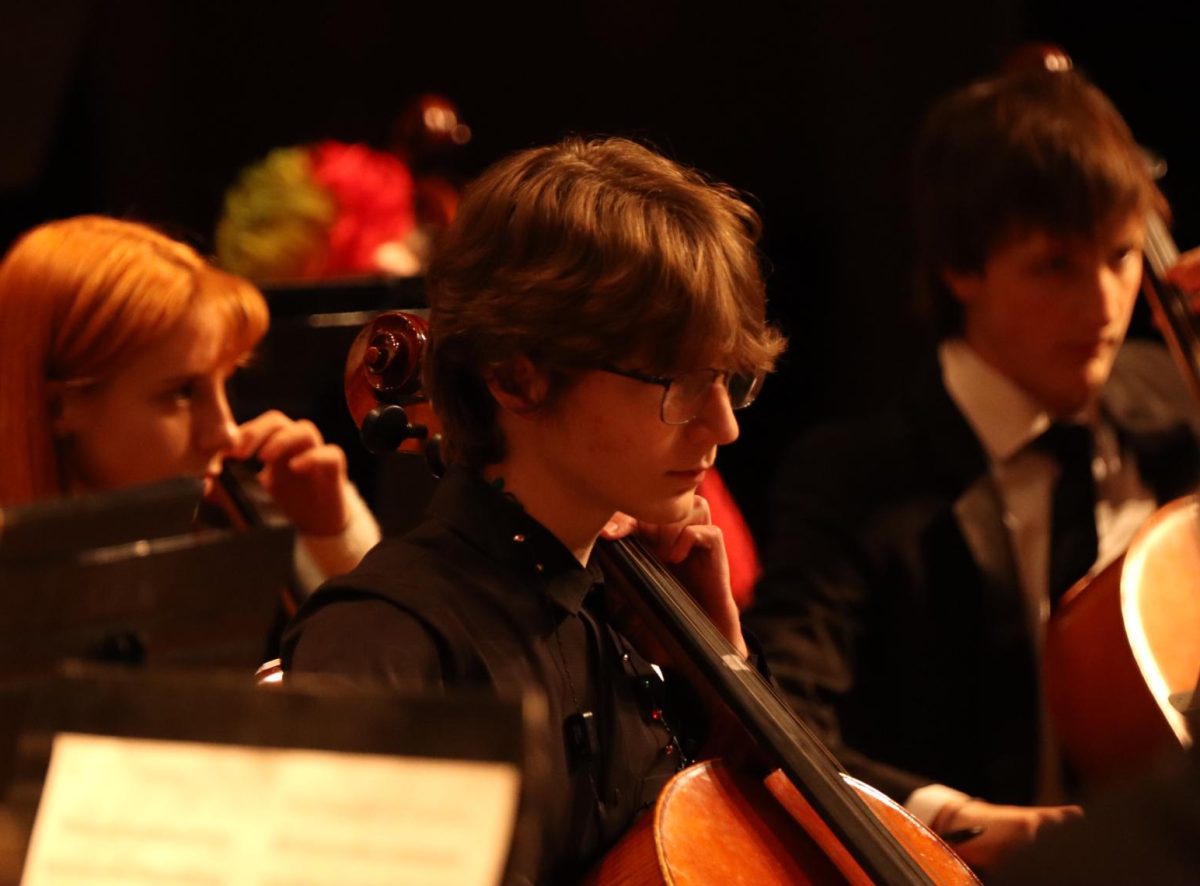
x=319, y=557
x=925, y=803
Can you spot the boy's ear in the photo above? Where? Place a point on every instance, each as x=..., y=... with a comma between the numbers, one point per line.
x=962, y=284
x=517, y=385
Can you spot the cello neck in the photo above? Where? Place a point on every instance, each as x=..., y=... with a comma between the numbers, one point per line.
x=1170, y=305
x=780, y=736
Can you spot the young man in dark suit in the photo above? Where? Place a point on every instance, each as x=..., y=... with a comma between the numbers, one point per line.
x=917, y=553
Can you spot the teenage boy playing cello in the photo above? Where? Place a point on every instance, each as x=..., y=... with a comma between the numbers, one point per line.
x=597, y=314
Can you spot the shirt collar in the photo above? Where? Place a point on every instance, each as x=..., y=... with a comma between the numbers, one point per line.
x=1004, y=417
x=495, y=522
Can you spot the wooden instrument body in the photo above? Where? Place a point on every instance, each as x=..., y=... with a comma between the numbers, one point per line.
x=1120, y=645
x=723, y=822
x=714, y=825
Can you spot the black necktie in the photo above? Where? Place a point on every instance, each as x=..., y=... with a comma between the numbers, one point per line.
x=1073, y=541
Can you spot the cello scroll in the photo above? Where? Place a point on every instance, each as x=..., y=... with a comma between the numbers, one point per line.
x=383, y=387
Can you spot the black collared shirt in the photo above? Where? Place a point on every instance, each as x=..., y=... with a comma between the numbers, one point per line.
x=480, y=593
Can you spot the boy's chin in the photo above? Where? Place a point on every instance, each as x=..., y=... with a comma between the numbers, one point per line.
x=676, y=510
x=1071, y=395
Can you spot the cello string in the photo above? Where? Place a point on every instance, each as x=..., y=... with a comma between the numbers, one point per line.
x=810, y=765
x=1162, y=254
x=771, y=705
x=1159, y=248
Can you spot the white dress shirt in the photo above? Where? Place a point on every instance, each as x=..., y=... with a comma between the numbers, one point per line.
x=1006, y=420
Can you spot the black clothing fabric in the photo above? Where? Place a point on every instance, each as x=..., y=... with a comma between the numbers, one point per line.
x=901, y=638
x=481, y=594
x=1143, y=832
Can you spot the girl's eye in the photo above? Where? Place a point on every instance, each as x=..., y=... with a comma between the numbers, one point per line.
x=1124, y=254
x=182, y=394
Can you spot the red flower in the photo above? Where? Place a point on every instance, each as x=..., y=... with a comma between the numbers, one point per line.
x=374, y=192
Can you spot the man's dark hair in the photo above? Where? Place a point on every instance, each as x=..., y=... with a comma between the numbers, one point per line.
x=1042, y=150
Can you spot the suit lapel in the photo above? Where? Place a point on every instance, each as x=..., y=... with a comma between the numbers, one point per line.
x=980, y=518
x=982, y=601
x=956, y=458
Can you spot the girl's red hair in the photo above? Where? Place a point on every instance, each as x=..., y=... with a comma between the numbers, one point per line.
x=79, y=298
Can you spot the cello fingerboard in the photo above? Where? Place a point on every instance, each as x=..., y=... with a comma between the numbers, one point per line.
x=779, y=734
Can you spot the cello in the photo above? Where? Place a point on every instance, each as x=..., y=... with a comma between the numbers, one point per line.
x=1123, y=648
x=1122, y=651
x=778, y=809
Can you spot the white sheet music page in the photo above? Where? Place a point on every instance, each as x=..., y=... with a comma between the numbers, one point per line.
x=139, y=811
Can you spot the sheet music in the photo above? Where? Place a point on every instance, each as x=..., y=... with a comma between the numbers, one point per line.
x=134, y=811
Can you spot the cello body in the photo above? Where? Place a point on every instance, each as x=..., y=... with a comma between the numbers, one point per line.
x=712, y=824
x=1121, y=644
x=785, y=812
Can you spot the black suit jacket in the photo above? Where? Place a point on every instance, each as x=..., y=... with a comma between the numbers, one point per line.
x=890, y=610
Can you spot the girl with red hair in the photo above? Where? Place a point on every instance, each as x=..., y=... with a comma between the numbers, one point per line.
x=115, y=345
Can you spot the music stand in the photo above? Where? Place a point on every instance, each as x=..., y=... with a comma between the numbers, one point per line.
x=61, y=526
x=304, y=714
x=122, y=576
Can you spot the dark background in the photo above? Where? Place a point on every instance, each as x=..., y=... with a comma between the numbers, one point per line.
x=149, y=109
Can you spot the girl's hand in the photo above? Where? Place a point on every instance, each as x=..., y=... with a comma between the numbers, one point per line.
x=305, y=475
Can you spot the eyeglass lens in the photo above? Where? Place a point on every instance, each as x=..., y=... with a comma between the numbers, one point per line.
x=687, y=391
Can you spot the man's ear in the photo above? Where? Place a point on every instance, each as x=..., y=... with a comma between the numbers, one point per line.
x=962, y=284
x=517, y=385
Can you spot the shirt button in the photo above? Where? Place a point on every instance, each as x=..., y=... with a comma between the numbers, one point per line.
x=518, y=538
x=538, y=567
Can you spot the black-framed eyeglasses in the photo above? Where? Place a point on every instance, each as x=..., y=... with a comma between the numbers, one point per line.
x=683, y=394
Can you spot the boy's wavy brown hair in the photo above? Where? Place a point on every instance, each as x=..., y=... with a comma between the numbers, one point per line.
x=586, y=253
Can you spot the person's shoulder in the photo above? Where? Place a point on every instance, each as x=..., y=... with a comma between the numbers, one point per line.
x=914, y=451
x=366, y=640
x=385, y=582
x=1145, y=394
x=385, y=620
x=881, y=432
x=854, y=452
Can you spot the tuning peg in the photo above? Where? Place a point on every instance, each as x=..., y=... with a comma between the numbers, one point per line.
x=385, y=427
